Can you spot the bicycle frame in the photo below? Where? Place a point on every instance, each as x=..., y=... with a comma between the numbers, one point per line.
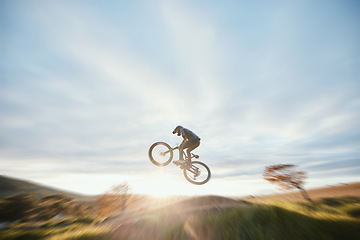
x=183, y=152
x=195, y=172
x=190, y=168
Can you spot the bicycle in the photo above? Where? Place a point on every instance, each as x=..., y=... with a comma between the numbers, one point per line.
x=196, y=172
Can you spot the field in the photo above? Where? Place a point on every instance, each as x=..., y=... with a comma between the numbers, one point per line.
x=334, y=214
x=341, y=190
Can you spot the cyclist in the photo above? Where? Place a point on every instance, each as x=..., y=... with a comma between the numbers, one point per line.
x=190, y=142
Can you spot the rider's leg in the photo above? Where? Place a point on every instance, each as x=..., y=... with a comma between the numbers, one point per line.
x=181, y=152
x=191, y=145
x=181, y=155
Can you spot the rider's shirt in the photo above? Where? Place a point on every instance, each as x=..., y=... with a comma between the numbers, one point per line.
x=188, y=135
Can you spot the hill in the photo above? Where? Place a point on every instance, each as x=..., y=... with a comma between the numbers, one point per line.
x=218, y=217
x=11, y=186
x=341, y=190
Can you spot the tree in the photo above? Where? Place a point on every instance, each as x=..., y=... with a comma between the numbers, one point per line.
x=53, y=205
x=113, y=201
x=287, y=177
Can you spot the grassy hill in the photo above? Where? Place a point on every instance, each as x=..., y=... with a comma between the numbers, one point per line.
x=11, y=186
x=334, y=214
x=217, y=217
x=341, y=190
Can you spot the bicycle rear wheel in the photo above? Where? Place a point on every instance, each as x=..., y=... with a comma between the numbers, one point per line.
x=160, y=154
x=198, y=173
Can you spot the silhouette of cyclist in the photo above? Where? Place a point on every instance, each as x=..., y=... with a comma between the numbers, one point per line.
x=190, y=142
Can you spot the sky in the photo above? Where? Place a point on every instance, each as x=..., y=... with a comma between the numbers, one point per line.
x=86, y=87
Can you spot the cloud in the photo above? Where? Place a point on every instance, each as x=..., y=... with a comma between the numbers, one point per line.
x=88, y=88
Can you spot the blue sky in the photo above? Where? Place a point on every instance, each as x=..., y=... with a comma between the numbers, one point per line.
x=87, y=86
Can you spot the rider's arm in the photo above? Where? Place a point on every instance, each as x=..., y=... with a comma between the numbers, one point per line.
x=183, y=134
x=183, y=141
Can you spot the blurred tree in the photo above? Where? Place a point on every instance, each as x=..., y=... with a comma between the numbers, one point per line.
x=113, y=201
x=53, y=205
x=287, y=177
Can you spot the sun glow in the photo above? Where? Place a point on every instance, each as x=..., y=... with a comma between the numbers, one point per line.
x=160, y=185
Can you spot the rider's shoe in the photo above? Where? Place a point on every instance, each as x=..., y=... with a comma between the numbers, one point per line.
x=179, y=162
x=185, y=164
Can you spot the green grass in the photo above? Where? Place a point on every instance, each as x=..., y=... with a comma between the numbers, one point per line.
x=16, y=233
x=332, y=219
x=83, y=232
x=277, y=221
x=281, y=221
x=67, y=228
x=88, y=233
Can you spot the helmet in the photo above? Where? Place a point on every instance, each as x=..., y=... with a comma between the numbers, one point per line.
x=177, y=130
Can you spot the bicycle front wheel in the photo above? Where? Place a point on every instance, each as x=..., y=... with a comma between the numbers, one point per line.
x=198, y=173
x=160, y=154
